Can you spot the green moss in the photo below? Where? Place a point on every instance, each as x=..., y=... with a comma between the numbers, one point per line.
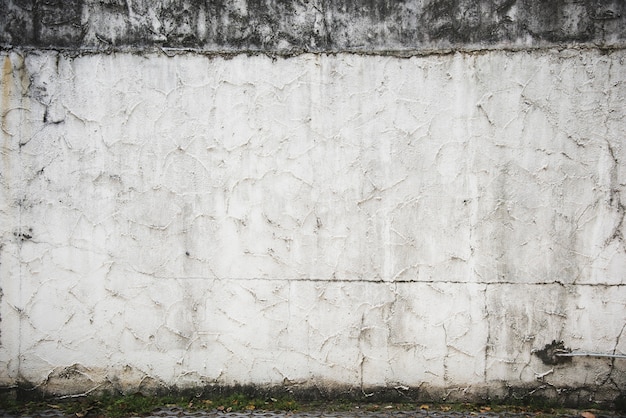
x=137, y=405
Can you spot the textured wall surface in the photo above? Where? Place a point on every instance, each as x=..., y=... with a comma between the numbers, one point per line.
x=363, y=196
x=287, y=26
x=330, y=221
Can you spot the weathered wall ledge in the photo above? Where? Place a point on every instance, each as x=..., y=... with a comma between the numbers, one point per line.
x=281, y=26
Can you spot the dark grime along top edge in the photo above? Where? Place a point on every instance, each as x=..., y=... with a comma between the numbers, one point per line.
x=288, y=27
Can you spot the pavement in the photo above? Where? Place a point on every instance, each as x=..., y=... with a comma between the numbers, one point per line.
x=175, y=412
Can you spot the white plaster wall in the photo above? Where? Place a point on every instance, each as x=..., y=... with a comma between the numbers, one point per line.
x=359, y=221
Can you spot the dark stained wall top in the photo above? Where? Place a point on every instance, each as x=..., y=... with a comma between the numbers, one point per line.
x=291, y=26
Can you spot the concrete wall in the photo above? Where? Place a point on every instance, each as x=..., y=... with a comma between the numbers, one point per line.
x=408, y=222
x=287, y=26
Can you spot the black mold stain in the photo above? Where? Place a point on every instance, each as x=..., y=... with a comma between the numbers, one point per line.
x=23, y=235
x=550, y=353
x=57, y=22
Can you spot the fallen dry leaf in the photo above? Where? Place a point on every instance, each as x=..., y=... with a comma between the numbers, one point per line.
x=587, y=414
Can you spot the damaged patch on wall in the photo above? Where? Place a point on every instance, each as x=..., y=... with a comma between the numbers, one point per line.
x=551, y=353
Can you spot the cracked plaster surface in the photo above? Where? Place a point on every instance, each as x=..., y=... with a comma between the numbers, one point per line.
x=335, y=219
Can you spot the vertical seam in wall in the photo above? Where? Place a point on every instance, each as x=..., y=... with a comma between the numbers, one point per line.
x=20, y=307
x=488, y=339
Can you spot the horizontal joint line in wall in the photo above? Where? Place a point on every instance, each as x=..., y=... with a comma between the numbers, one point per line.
x=383, y=281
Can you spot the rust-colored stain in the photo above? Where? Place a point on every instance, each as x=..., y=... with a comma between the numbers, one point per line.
x=7, y=78
x=6, y=86
x=5, y=105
